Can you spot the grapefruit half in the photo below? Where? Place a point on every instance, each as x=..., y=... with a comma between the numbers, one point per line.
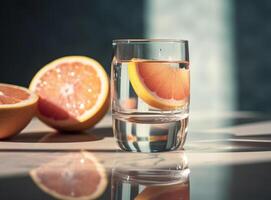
x=73, y=93
x=76, y=176
x=160, y=84
x=17, y=107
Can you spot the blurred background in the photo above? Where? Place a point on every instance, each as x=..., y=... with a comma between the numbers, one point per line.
x=229, y=41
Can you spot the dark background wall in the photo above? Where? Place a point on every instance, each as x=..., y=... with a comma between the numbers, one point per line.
x=253, y=54
x=35, y=32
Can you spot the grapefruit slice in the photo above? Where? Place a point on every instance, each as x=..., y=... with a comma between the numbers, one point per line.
x=129, y=103
x=162, y=85
x=76, y=176
x=73, y=91
x=17, y=107
x=173, y=192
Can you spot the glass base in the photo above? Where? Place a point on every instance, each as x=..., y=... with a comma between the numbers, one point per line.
x=163, y=135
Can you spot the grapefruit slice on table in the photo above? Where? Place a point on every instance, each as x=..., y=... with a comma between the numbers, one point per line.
x=159, y=84
x=17, y=107
x=75, y=176
x=73, y=91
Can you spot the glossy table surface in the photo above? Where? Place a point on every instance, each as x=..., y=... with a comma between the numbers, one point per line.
x=228, y=155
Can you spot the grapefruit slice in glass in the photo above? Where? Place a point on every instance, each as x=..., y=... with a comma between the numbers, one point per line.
x=73, y=91
x=75, y=176
x=162, y=85
x=173, y=192
x=17, y=107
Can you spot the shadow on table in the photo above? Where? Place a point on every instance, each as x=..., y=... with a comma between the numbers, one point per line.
x=62, y=137
x=232, y=144
x=253, y=134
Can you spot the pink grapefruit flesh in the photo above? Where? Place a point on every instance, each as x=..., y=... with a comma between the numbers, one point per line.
x=160, y=84
x=73, y=91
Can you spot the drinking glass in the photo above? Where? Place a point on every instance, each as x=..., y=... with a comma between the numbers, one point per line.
x=150, y=93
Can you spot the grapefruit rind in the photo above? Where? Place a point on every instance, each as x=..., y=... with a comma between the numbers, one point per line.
x=101, y=187
x=148, y=96
x=90, y=117
x=15, y=117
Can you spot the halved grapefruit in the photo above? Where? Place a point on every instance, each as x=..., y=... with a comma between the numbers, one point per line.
x=17, y=107
x=171, y=192
x=76, y=176
x=160, y=84
x=73, y=91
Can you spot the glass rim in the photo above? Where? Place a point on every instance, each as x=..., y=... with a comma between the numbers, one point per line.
x=133, y=41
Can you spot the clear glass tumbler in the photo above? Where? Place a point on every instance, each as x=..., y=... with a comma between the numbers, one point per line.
x=150, y=92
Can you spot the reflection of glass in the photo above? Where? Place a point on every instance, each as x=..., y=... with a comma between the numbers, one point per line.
x=150, y=94
x=147, y=184
x=156, y=180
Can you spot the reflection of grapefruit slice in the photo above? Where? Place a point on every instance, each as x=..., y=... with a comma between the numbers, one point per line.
x=73, y=91
x=77, y=176
x=160, y=84
x=17, y=107
x=170, y=192
x=129, y=103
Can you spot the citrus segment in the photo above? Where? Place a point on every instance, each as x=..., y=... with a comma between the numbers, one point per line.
x=162, y=85
x=129, y=103
x=17, y=107
x=76, y=176
x=73, y=91
x=11, y=95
